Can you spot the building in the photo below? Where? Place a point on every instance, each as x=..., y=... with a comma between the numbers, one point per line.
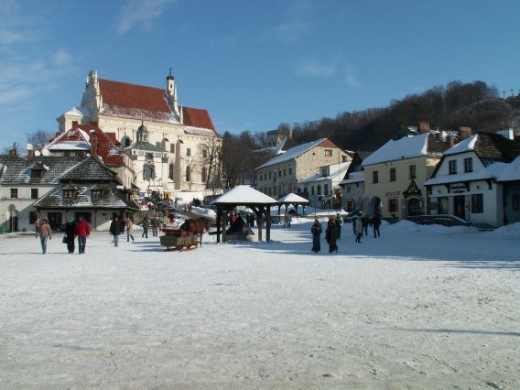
x=91, y=190
x=323, y=187
x=173, y=149
x=25, y=180
x=353, y=185
x=466, y=181
x=280, y=175
x=395, y=173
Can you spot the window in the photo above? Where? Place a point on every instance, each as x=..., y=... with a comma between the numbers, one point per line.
x=412, y=172
x=14, y=193
x=443, y=205
x=452, y=167
x=515, y=200
x=172, y=148
x=204, y=153
x=188, y=152
x=392, y=205
x=36, y=173
x=148, y=172
x=203, y=174
x=392, y=174
x=468, y=164
x=170, y=171
x=477, y=203
x=269, y=174
x=149, y=157
x=375, y=177
x=284, y=172
x=96, y=194
x=279, y=173
x=34, y=193
x=290, y=171
x=188, y=178
x=328, y=153
x=326, y=189
x=69, y=194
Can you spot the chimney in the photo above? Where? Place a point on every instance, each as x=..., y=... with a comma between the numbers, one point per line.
x=451, y=140
x=93, y=143
x=30, y=154
x=13, y=152
x=424, y=127
x=464, y=132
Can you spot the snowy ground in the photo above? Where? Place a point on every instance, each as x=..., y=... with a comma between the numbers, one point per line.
x=420, y=307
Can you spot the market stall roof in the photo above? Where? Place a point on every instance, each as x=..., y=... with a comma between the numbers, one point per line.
x=292, y=198
x=244, y=195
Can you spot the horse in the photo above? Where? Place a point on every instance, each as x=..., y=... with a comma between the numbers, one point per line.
x=196, y=226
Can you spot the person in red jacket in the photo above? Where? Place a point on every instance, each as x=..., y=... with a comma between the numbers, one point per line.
x=82, y=231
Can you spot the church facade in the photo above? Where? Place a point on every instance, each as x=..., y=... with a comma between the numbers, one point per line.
x=173, y=149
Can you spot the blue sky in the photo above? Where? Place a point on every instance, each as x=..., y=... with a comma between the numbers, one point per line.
x=251, y=64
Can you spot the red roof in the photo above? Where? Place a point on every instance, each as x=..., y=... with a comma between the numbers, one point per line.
x=148, y=103
x=120, y=94
x=197, y=117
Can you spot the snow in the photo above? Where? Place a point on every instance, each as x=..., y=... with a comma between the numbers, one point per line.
x=244, y=194
x=406, y=147
x=419, y=307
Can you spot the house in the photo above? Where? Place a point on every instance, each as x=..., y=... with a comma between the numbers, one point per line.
x=280, y=175
x=91, y=190
x=396, y=172
x=353, y=184
x=466, y=181
x=323, y=186
x=510, y=181
x=23, y=181
x=173, y=149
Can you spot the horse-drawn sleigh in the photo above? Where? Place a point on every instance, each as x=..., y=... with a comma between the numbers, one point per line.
x=188, y=236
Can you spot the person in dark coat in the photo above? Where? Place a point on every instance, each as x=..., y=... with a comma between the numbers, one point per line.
x=70, y=228
x=316, y=236
x=331, y=235
x=358, y=229
x=115, y=230
x=376, y=222
x=365, y=221
x=146, y=225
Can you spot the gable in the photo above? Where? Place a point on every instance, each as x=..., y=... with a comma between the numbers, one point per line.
x=197, y=117
x=90, y=170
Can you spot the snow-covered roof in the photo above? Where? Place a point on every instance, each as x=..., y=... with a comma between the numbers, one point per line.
x=244, y=195
x=292, y=153
x=199, y=131
x=335, y=171
x=78, y=111
x=292, y=198
x=354, y=177
x=406, y=147
x=490, y=172
x=463, y=146
x=511, y=172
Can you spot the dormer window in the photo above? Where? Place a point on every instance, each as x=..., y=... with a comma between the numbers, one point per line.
x=36, y=174
x=69, y=194
x=96, y=194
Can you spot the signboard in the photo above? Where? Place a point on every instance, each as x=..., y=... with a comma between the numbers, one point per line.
x=458, y=188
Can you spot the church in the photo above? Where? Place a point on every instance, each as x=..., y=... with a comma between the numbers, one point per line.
x=172, y=149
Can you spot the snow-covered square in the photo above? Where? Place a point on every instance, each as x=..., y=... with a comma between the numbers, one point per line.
x=419, y=307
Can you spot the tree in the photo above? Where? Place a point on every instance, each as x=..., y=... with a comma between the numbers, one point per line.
x=39, y=138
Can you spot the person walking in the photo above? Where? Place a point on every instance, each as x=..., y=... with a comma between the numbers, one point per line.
x=115, y=230
x=45, y=235
x=358, y=229
x=339, y=223
x=129, y=229
x=70, y=229
x=146, y=225
x=82, y=231
x=376, y=222
x=331, y=235
x=316, y=236
x=364, y=222
x=155, y=226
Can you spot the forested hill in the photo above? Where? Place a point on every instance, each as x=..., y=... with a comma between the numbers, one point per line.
x=475, y=105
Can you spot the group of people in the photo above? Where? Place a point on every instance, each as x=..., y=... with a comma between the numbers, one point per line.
x=333, y=231
x=79, y=229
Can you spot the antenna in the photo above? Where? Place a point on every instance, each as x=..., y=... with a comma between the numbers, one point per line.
x=29, y=147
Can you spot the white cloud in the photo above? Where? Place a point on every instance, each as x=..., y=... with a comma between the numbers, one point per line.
x=313, y=67
x=141, y=14
x=62, y=58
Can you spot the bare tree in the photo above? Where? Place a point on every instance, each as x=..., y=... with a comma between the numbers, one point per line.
x=39, y=138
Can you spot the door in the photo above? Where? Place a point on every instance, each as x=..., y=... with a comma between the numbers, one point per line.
x=459, y=206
